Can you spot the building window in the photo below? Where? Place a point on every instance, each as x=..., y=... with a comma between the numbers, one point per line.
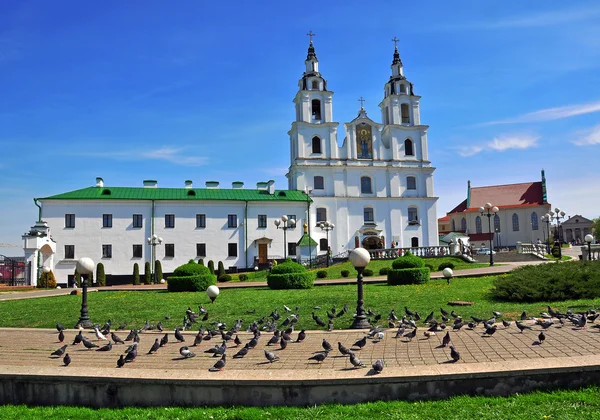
x=478, y=224
x=321, y=214
x=318, y=183
x=534, y=221
x=69, y=252
x=169, y=220
x=69, y=220
x=137, y=251
x=496, y=223
x=453, y=225
x=323, y=244
x=414, y=242
x=137, y=220
x=291, y=249
x=316, y=145
x=201, y=220
x=315, y=85
x=365, y=185
x=316, y=109
x=107, y=220
x=463, y=225
x=262, y=220
x=411, y=183
x=232, y=250
x=170, y=250
x=232, y=221
x=200, y=250
x=404, y=111
x=515, y=220
x=413, y=215
x=408, y=147
x=106, y=251
x=402, y=88
x=368, y=215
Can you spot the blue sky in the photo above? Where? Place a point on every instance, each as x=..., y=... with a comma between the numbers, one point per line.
x=203, y=90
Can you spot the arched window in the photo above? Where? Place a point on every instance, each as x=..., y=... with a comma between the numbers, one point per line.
x=413, y=215
x=496, y=223
x=323, y=245
x=402, y=88
x=453, y=225
x=318, y=183
x=316, y=109
x=478, y=224
x=369, y=216
x=316, y=145
x=321, y=214
x=515, y=221
x=414, y=242
x=534, y=221
x=411, y=183
x=463, y=225
x=365, y=185
x=404, y=111
x=408, y=147
x=315, y=85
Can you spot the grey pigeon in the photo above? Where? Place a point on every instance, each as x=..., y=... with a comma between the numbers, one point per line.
x=252, y=343
x=78, y=338
x=61, y=336
x=131, y=348
x=130, y=357
x=197, y=339
x=541, y=337
x=219, y=365
x=186, y=352
x=455, y=355
x=582, y=322
x=522, y=326
x=318, y=320
x=326, y=346
x=88, y=344
x=412, y=334
x=446, y=340
x=497, y=314
x=345, y=351
x=490, y=330
x=116, y=339
x=330, y=325
x=178, y=336
x=271, y=357
x=545, y=324
x=282, y=344
x=240, y=354
x=523, y=316
x=130, y=335
x=301, y=336
x=378, y=366
x=237, y=340
x=67, y=359
x=154, y=347
x=164, y=340
x=59, y=327
x=361, y=343
x=355, y=361
x=107, y=347
x=275, y=339
x=319, y=357
x=59, y=352
x=506, y=323
x=121, y=361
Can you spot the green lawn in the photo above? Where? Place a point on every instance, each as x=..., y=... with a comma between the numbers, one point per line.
x=250, y=304
x=581, y=404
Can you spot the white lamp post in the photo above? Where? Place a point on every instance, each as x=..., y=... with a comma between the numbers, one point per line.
x=359, y=258
x=285, y=223
x=589, y=238
x=327, y=226
x=85, y=266
x=212, y=292
x=557, y=214
x=153, y=241
x=448, y=273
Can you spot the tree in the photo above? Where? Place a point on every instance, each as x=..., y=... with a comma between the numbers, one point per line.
x=158, y=270
x=147, y=273
x=100, y=276
x=596, y=228
x=201, y=261
x=211, y=266
x=136, y=274
x=47, y=280
x=221, y=269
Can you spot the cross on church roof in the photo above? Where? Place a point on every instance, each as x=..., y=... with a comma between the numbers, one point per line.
x=361, y=100
x=395, y=41
x=310, y=35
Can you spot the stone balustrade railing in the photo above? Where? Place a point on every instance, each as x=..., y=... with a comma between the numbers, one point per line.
x=595, y=252
x=424, y=252
x=535, y=249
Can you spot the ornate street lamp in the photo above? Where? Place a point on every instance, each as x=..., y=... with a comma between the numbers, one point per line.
x=589, y=238
x=359, y=258
x=547, y=219
x=327, y=226
x=489, y=211
x=557, y=214
x=85, y=266
x=153, y=241
x=285, y=223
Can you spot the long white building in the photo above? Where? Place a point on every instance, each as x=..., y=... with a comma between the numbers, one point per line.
x=376, y=188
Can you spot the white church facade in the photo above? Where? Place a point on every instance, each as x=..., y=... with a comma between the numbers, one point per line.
x=375, y=188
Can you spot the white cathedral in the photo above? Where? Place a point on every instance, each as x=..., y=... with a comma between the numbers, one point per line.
x=375, y=191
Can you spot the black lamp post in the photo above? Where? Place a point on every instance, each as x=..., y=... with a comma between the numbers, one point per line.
x=285, y=223
x=557, y=214
x=360, y=258
x=153, y=241
x=589, y=238
x=327, y=226
x=85, y=266
x=489, y=211
x=547, y=219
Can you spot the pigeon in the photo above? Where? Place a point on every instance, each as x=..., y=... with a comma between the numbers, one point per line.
x=319, y=357
x=455, y=355
x=130, y=357
x=476, y=319
x=59, y=327
x=116, y=339
x=78, y=338
x=408, y=311
x=360, y=343
x=240, y=354
x=122, y=326
x=154, y=347
x=522, y=326
x=490, y=331
x=318, y=320
x=67, y=360
x=282, y=344
x=453, y=314
x=541, y=337
x=107, y=347
x=59, y=352
x=61, y=336
x=410, y=335
x=252, y=343
x=446, y=340
x=130, y=335
x=197, y=339
x=286, y=336
x=99, y=335
x=582, y=322
x=429, y=318
x=545, y=324
x=344, y=350
x=164, y=340
x=523, y=316
x=330, y=325
x=88, y=344
x=219, y=365
x=271, y=357
x=121, y=361
x=355, y=361
x=378, y=366
x=237, y=341
x=159, y=326
x=131, y=348
x=497, y=314
x=506, y=323
x=286, y=308
x=457, y=326
x=275, y=339
x=400, y=332
x=186, y=352
x=471, y=325
x=326, y=346
x=301, y=336
x=178, y=336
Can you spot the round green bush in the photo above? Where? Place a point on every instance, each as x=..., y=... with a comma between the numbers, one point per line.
x=383, y=271
x=190, y=269
x=367, y=272
x=288, y=266
x=243, y=277
x=345, y=273
x=223, y=278
x=322, y=274
x=418, y=275
x=407, y=261
x=290, y=275
x=190, y=277
x=447, y=264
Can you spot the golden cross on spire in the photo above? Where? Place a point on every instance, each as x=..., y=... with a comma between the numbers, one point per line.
x=395, y=41
x=362, y=101
x=310, y=35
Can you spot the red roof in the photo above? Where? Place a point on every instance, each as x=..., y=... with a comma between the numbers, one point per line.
x=444, y=219
x=504, y=196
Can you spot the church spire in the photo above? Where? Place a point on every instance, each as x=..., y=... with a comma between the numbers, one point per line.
x=396, y=59
x=312, y=62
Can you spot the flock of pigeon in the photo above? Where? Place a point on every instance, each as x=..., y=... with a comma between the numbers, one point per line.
x=405, y=327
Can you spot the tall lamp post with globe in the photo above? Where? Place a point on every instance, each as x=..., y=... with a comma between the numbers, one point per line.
x=327, y=227
x=285, y=223
x=85, y=266
x=359, y=258
x=589, y=238
x=153, y=241
x=489, y=211
x=557, y=214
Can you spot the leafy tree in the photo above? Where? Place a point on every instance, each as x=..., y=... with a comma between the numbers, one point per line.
x=211, y=266
x=147, y=273
x=201, y=261
x=100, y=275
x=47, y=280
x=158, y=269
x=221, y=270
x=596, y=228
x=136, y=274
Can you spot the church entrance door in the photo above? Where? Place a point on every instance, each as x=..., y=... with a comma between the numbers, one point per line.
x=372, y=242
x=263, y=253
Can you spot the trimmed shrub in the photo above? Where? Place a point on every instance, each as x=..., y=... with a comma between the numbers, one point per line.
x=290, y=275
x=190, y=277
x=158, y=270
x=243, y=277
x=201, y=261
x=224, y=278
x=77, y=278
x=147, y=273
x=430, y=266
x=221, y=269
x=345, y=273
x=383, y=271
x=549, y=282
x=418, y=275
x=321, y=274
x=47, y=280
x=407, y=261
x=445, y=265
x=556, y=251
x=367, y=272
x=211, y=266
x=100, y=275
x=136, y=274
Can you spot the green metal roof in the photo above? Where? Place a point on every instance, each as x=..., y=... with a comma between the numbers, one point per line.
x=130, y=193
x=306, y=241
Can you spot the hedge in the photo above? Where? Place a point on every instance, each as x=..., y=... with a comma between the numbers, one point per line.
x=147, y=273
x=408, y=276
x=190, y=269
x=407, y=261
x=345, y=273
x=158, y=271
x=367, y=272
x=136, y=274
x=288, y=266
x=100, y=275
x=321, y=274
x=383, y=271
x=224, y=278
x=195, y=283
x=243, y=277
x=291, y=280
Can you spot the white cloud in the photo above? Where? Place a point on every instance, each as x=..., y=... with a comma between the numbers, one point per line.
x=513, y=142
x=588, y=137
x=170, y=154
x=551, y=114
x=467, y=151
